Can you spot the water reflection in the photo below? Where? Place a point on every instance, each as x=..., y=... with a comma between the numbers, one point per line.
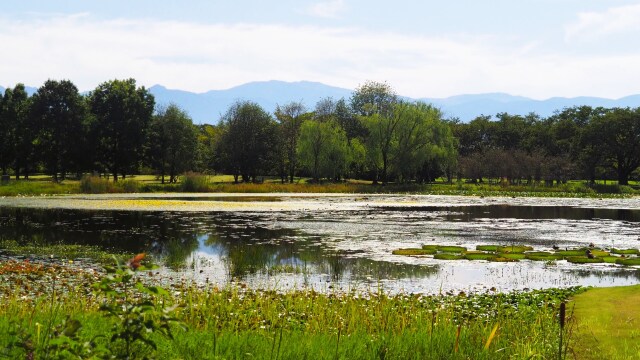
x=347, y=248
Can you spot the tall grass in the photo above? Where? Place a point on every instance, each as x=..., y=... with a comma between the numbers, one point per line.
x=38, y=187
x=237, y=323
x=194, y=182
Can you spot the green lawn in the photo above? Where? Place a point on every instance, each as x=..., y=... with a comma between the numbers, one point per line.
x=607, y=323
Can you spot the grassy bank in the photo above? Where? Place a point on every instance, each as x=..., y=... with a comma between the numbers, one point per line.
x=608, y=323
x=237, y=323
x=224, y=184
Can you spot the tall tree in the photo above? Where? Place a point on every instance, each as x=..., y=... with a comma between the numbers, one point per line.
x=618, y=137
x=247, y=142
x=172, y=142
x=290, y=117
x=7, y=128
x=14, y=107
x=324, y=149
x=122, y=114
x=60, y=111
x=373, y=97
x=25, y=131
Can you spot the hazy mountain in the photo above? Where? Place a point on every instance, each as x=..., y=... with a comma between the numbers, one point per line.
x=467, y=107
x=30, y=90
x=209, y=107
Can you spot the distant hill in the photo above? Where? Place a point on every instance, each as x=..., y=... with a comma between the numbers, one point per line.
x=209, y=107
x=30, y=90
x=467, y=107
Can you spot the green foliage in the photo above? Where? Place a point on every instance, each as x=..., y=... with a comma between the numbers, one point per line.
x=139, y=310
x=323, y=149
x=246, y=145
x=122, y=113
x=172, y=142
x=59, y=111
x=95, y=185
x=194, y=182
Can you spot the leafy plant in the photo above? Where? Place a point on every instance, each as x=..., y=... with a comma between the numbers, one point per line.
x=139, y=311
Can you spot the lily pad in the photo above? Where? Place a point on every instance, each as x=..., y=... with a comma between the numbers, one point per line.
x=479, y=256
x=628, y=262
x=452, y=249
x=504, y=259
x=625, y=251
x=413, y=252
x=514, y=249
x=584, y=260
x=513, y=256
x=448, y=256
x=487, y=247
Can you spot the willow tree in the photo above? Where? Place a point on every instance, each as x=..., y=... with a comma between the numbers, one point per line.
x=323, y=149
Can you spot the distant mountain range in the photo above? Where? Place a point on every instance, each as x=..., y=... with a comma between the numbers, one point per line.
x=209, y=107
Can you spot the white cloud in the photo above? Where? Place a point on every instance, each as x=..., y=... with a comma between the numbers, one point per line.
x=617, y=20
x=327, y=9
x=201, y=57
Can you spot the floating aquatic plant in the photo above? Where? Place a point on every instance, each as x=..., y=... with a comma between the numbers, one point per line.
x=413, y=252
x=452, y=249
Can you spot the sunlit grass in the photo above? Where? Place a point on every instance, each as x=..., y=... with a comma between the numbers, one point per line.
x=39, y=185
x=608, y=326
x=233, y=322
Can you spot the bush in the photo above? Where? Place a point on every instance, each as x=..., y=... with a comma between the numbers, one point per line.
x=129, y=186
x=194, y=182
x=95, y=185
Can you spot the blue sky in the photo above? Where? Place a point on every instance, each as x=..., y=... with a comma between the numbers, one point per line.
x=534, y=48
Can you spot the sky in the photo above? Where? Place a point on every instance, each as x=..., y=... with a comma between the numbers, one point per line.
x=534, y=48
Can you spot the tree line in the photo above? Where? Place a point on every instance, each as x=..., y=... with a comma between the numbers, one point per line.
x=117, y=129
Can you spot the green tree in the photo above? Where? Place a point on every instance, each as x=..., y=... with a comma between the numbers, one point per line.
x=207, y=156
x=60, y=111
x=617, y=136
x=324, y=149
x=25, y=131
x=172, y=142
x=122, y=113
x=373, y=97
x=248, y=139
x=290, y=117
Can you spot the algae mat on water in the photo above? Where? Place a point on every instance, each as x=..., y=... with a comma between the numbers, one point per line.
x=607, y=323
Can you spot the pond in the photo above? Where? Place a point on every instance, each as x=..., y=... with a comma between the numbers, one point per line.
x=337, y=242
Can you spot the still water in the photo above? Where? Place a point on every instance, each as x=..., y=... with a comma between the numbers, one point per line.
x=337, y=243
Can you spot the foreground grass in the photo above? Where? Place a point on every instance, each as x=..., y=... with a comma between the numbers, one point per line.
x=236, y=323
x=608, y=323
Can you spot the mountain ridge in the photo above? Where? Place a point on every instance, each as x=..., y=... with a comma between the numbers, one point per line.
x=210, y=106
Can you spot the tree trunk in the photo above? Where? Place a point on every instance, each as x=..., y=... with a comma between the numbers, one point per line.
x=623, y=178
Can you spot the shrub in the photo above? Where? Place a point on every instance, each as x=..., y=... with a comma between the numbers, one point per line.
x=95, y=185
x=194, y=182
x=129, y=186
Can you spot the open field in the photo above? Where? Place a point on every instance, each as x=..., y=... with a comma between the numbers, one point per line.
x=608, y=323
x=42, y=185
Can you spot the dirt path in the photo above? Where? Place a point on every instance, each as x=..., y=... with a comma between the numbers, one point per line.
x=607, y=324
